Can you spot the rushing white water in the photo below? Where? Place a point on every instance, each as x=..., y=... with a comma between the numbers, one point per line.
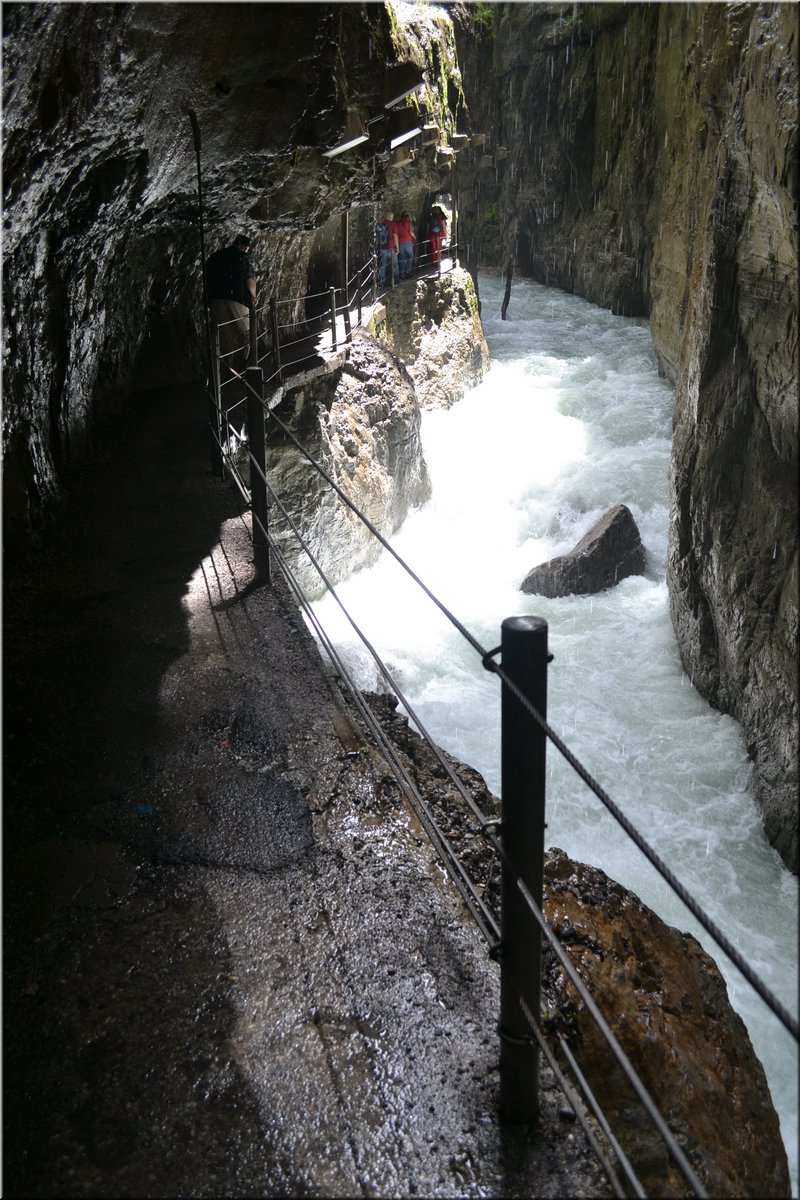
x=571, y=419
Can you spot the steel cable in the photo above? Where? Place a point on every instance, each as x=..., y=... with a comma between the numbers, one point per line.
x=465, y=886
x=611, y=1041
x=483, y=918
x=486, y=658
x=681, y=892
x=462, y=880
x=577, y=1106
x=474, y=902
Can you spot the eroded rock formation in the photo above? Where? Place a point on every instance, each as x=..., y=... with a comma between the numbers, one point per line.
x=101, y=252
x=662, y=995
x=646, y=157
x=610, y=551
x=434, y=328
x=361, y=423
x=668, y=1005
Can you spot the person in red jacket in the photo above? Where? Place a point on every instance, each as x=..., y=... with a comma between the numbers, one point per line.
x=406, y=236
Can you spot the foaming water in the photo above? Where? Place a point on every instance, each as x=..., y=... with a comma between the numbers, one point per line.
x=571, y=419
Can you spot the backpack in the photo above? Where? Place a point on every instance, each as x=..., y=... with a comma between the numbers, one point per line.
x=435, y=226
x=382, y=235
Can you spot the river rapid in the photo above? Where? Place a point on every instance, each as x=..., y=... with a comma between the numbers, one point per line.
x=571, y=419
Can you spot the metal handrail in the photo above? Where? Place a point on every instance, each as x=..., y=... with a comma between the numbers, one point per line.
x=441, y=842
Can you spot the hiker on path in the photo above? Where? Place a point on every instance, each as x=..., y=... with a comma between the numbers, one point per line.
x=406, y=236
x=388, y=245
x=437, y=232
x=231, y=280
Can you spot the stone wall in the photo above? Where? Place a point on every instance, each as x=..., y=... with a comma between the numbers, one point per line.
x=102, y=280
x=361, y=422
x=651, y=167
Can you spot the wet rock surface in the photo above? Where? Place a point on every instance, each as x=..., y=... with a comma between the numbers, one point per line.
x=232, y=965
x=611, y=550
x=651, y=166
x=361, y=422
x=435, y=329
x=662, y=995
x=668, y=1005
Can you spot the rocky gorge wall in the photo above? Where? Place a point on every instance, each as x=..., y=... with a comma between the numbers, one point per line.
x=102, y=277
x=361, y=422
x=101, y=243
x=645, y=156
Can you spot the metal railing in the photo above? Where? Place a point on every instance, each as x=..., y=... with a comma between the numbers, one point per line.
x=279, y=351
x=516, y=940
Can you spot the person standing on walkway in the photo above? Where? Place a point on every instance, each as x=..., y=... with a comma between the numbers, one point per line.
x=437, y=232
x=395, y=240
x=387, y=244
x=231, y=280
x=406, y=237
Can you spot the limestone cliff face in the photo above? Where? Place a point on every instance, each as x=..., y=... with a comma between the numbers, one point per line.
x=731, y=344
x=645, y=157
x=435, y=330
x=361, y=423
x=662, y=995
x=101, y=254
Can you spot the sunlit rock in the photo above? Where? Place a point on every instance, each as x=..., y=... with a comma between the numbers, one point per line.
x=435, y=329
x=361, y=423
x=668, y=1006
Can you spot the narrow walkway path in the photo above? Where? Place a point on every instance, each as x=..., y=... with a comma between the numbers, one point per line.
x=313, y=354
x=232, y=968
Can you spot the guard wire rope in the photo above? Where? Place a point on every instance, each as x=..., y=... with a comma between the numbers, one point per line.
x=479, y=912
x=474, y=902
x=487, y=659
x=482, y=916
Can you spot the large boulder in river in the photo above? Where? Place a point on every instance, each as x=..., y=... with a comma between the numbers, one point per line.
x=611, y=550
x=668, y=1006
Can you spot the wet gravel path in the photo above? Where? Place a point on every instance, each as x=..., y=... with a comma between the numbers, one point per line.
x=232, y=966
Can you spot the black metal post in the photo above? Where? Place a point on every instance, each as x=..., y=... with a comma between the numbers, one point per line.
x=276, y=340
x=524, y=659
x=454, y=223
x=256, y=440
x=215, y=451
x=218, y=436
x=332, y=294
x=348, y=335
x=346, y=255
